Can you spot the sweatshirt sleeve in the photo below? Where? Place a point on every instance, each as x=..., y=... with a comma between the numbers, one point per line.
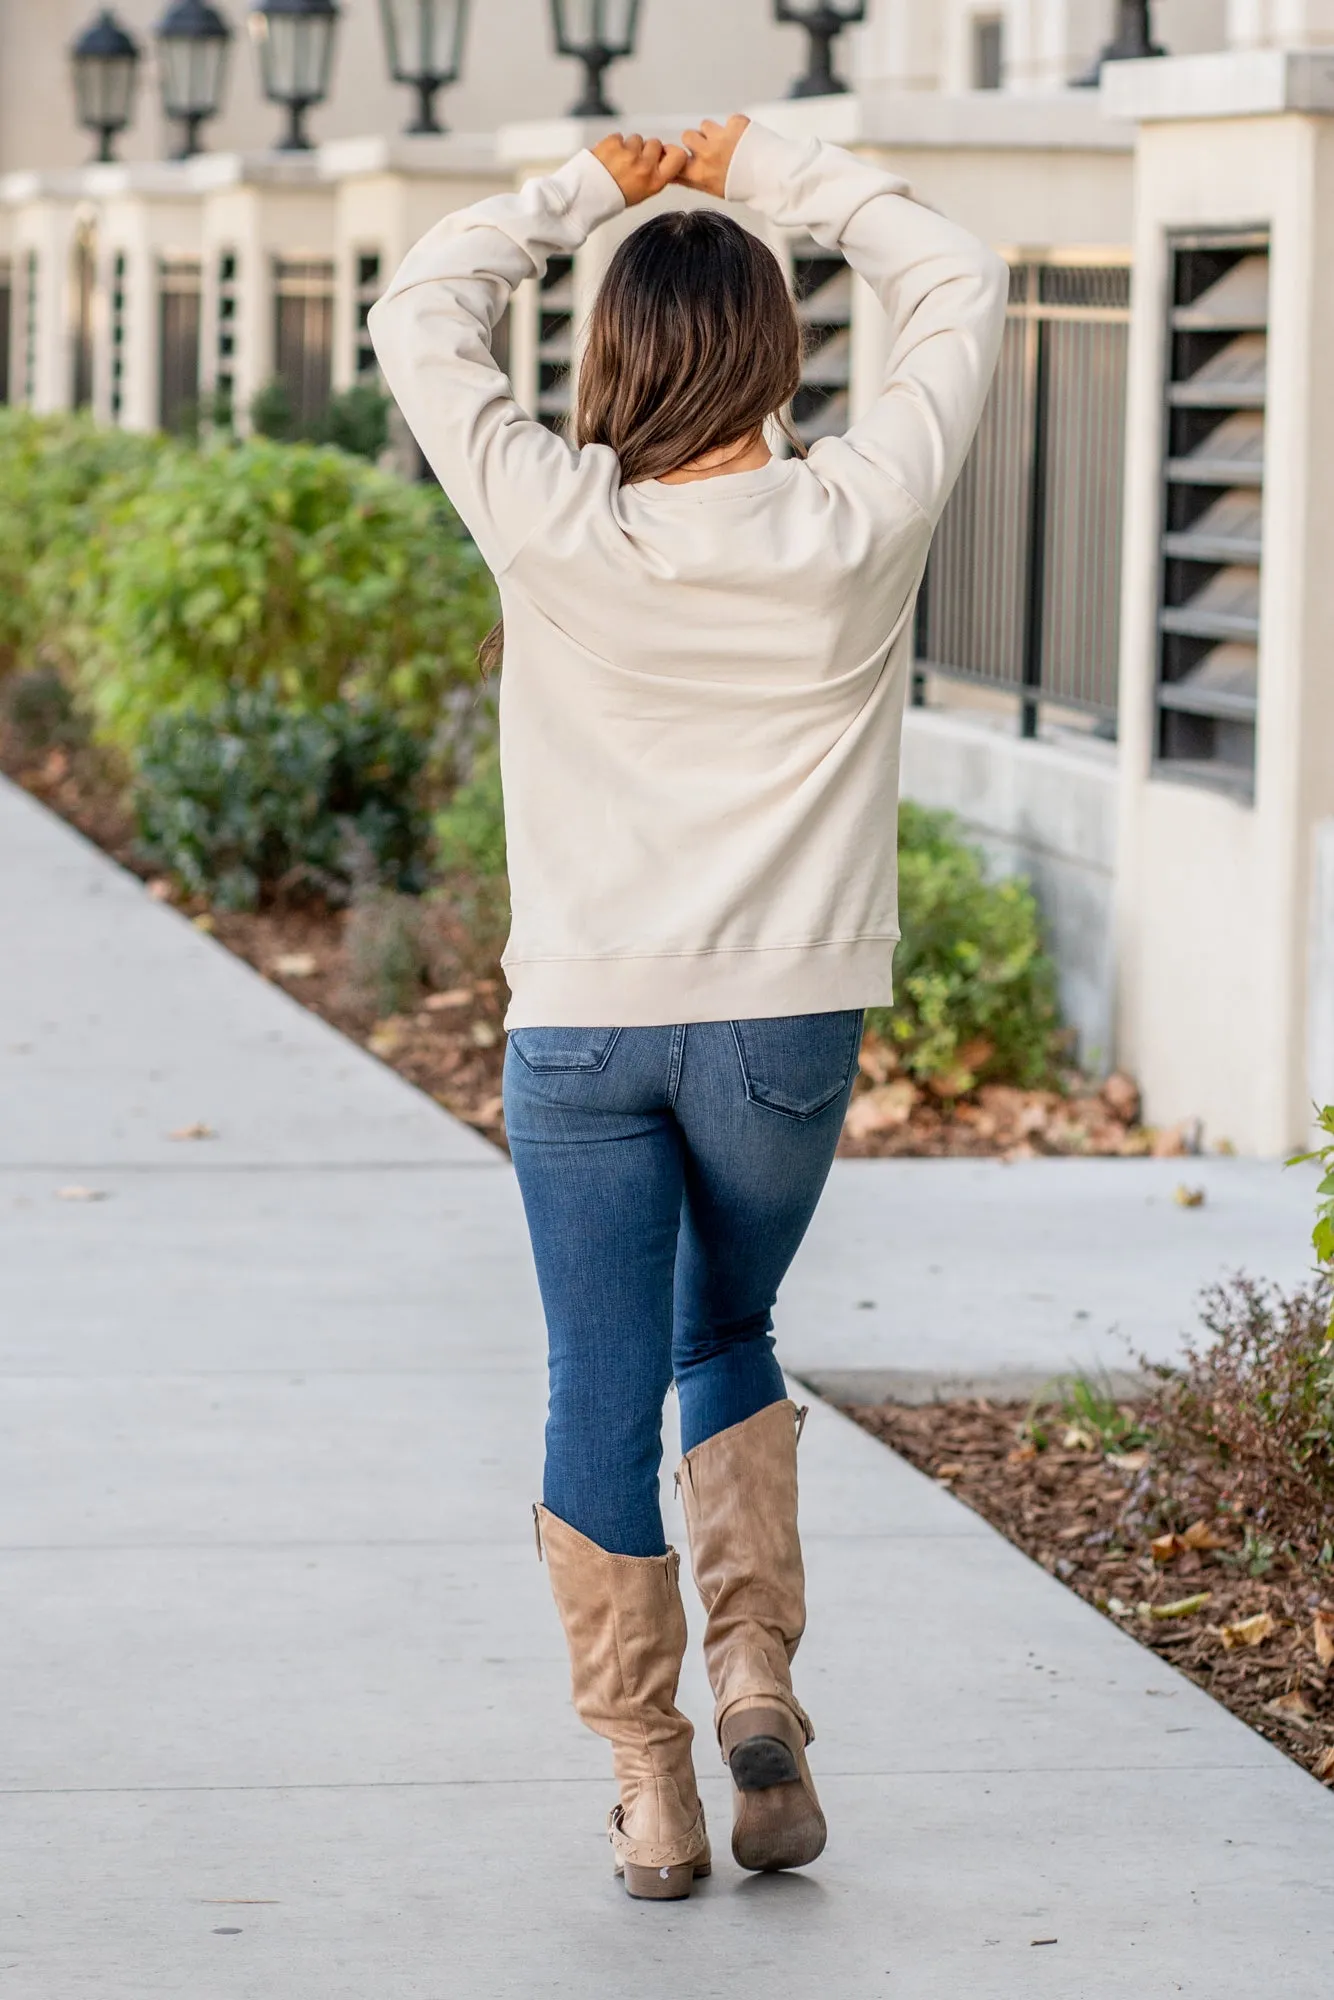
x=943, y=291
x=432, y=333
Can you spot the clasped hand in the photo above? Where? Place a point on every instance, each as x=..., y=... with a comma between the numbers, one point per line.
x=644, y=167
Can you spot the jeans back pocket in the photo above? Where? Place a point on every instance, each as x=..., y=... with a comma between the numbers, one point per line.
x=553, y=1051
x=799, y=1064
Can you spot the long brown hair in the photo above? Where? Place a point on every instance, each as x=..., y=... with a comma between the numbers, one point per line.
x=693, y=344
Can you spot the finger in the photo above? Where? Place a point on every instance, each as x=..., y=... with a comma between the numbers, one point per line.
x=672, y=165
x=635, y=142
x=652, y=153
x=693, y=141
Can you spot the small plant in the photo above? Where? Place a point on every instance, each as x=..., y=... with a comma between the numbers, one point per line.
x=357, y=421
x=385, y=959
x=1258, y=1400
x=1322, y=1236
x=975, y=992
x=251, y=797
x=39, y=711
x=1087, y=1409
x=271, y=413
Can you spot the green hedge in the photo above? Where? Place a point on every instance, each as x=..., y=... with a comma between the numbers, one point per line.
x=974, y=988
x=161, y=575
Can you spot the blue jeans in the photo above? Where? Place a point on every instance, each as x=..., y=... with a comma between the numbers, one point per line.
x=668, y=1176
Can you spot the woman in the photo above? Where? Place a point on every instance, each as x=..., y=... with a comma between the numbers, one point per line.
x=706, y=654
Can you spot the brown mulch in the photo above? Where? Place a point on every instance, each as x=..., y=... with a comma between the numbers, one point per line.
x=1248, y=1621
x=452, y=1046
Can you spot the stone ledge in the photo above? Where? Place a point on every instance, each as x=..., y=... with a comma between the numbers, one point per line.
x=1256, y=83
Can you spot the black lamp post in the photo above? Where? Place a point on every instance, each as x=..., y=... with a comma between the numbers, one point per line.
x=1134, y=40
x=105, y=66
x=824, y=21
x=424, y=39
x=192, y=42
x=599, y=33
x=295, y=43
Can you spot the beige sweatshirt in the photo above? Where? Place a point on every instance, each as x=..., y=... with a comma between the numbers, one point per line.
x=703, y=689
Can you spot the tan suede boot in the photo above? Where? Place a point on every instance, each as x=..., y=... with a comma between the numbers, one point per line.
x=625, y=1627
x=740, y=1495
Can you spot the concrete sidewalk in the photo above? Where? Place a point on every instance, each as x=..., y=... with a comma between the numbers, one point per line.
x=285, y=1698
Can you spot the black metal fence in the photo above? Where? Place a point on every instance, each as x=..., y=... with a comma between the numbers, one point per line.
x=303, y=334
x=178, y=336
x=1023, y=587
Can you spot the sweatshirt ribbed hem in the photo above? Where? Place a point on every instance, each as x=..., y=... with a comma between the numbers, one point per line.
x=660, y=991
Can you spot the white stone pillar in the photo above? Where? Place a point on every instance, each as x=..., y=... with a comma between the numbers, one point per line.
x=1320, y=1012
x=902, y=45
x=1292, y=24
x=1215, y=888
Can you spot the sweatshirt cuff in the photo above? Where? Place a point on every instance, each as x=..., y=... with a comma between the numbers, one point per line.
x=762, y=161
x=588, y=193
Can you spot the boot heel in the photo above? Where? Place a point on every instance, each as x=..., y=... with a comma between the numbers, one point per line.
x=760, y=1762
x=663, y=1885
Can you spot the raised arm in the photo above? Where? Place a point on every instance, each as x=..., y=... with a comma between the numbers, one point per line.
x=432, y=331
x=943, y=291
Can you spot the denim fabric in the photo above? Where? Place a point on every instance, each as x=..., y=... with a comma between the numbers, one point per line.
x=668, y=1175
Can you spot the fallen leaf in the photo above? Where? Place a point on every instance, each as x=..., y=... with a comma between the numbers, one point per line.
x=487, y=1113
x=877, y=1059
x=77, y=1193
x=204, y=924
x=159, y=889
x=1128, y=1461
x=1165, y=1548
x=882, y=1109
x=1323, y=1634
x=295, y=965
x=1118, y=1608
x=1183, y=1607
x=1023, y=1454
x=1203, y=1535
x=1294, y=1709
x=456, y=996
x=1120, y=1094
x=484, y=1035
x=952, y=1471
x=1324, y=1765
x=193, y=1132
x=1188, y=1197
x=1248, y=1631
x=386, y=1038
x=1078, y=1439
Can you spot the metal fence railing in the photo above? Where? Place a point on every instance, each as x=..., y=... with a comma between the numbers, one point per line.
x=1022, y=589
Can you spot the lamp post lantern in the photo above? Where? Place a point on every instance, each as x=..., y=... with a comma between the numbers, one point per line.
x=824, y=21
x=424, y=41
x=294, y=40
x=598, y=33
x=104, y=62
x=193, y=40
x=1133, y=39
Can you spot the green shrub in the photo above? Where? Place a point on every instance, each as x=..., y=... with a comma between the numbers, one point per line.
x=356, y=419
x=470, y=832
x=975, y=993
x=251, y=796
x=59, y=476
x=285, y=563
